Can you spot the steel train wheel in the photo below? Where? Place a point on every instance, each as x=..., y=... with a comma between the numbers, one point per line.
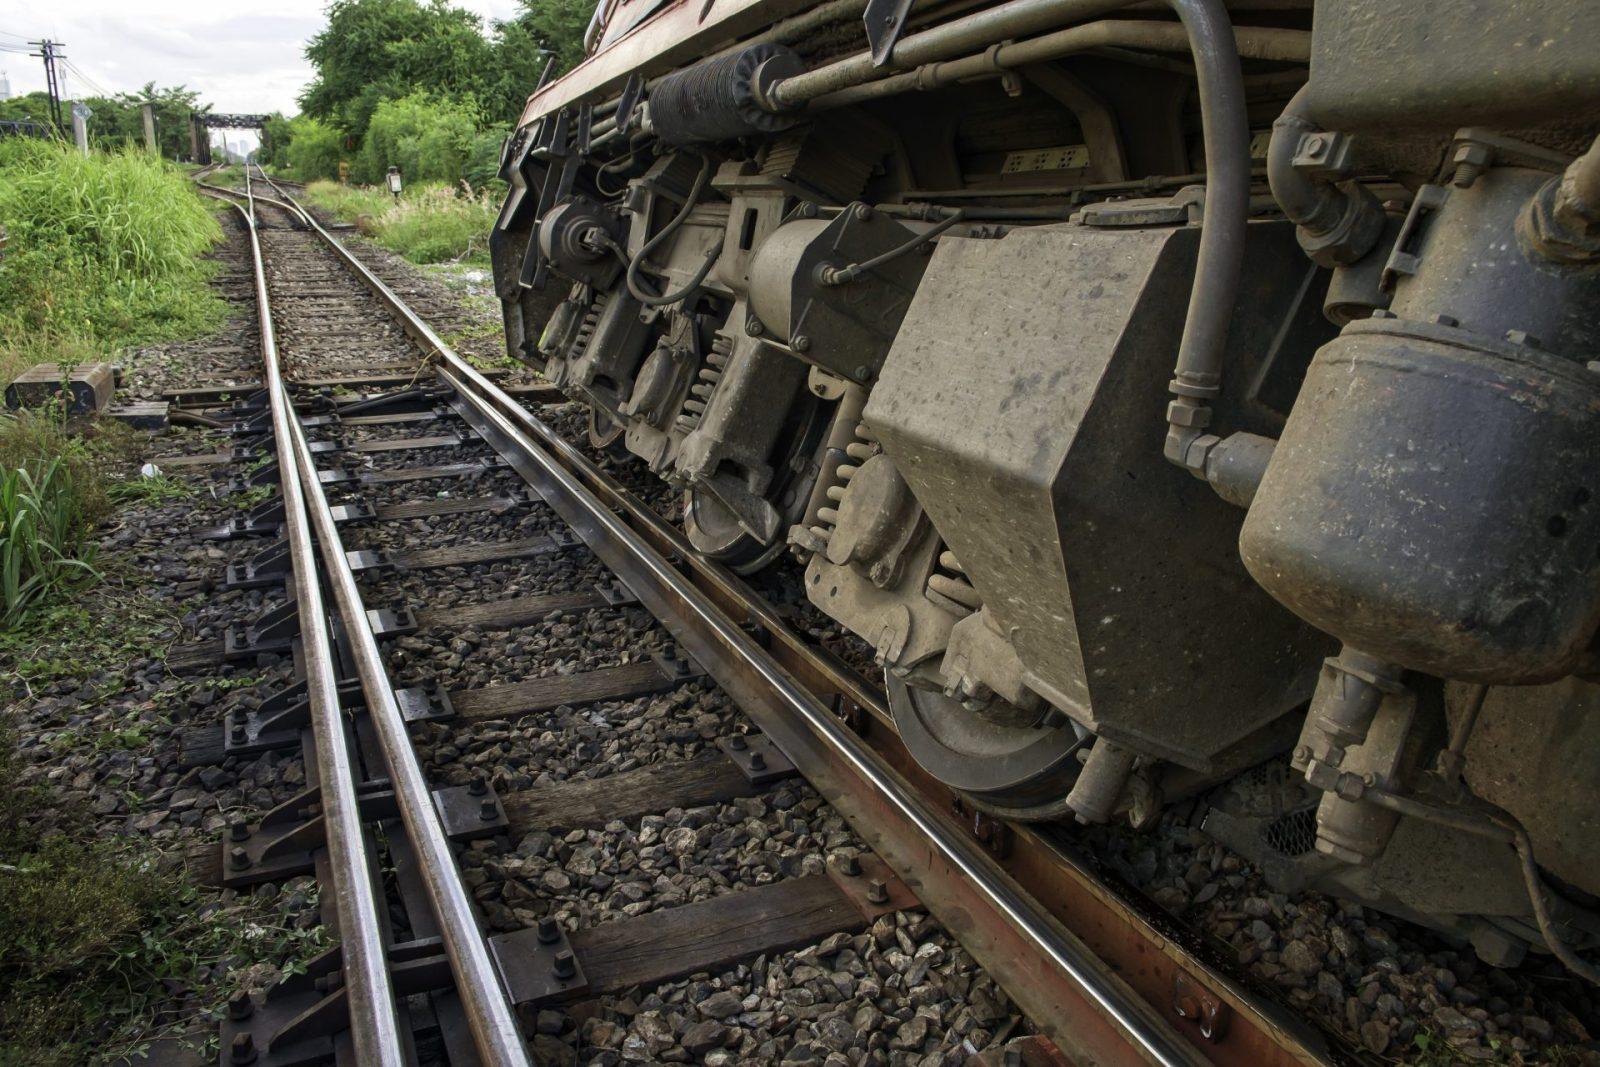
x=1003, y=767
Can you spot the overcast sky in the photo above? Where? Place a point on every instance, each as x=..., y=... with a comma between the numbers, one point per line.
x=237, y=59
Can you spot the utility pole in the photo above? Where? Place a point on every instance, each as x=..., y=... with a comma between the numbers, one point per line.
x=47, y=51
x=149, y=125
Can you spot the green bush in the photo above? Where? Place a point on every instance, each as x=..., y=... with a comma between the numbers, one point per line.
x=428, y=224
x=103, y=251
x=428, y=137
x=314, y=150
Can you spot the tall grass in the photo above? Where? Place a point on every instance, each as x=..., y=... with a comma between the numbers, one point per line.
x=103, y=252
x=428, y=224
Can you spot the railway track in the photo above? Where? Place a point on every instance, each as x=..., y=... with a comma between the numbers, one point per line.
x=446, y=505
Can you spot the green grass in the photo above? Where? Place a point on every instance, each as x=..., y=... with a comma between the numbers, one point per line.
x=428, y=224
x=103, y=253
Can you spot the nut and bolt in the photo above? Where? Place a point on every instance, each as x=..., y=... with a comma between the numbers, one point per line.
x=477, y=787
x=566, y=964
x=239, y=830
x=239, y=858
x=1523, y=338
x=243, y=1049
x=1444, y=320
x=549, y=931
x=863, y=372
x=850, y=864
x=758, y=762
x=863, y=212
x=753, y=327
x=240, y=1006
x=738, y=743
x=487, y=811
x=800, y=343
x=877, y=891
x=237, y=732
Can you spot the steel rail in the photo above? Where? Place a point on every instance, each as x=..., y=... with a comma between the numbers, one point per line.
x=374, y=1020
x=1085, y=1007
x=490, y=1016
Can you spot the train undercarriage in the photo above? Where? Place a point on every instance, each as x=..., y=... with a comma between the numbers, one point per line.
x=1178, y=398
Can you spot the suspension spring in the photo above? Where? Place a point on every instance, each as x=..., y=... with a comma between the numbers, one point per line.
x=591, y=322
x=862, y=448
x=948, y=585
x=694, y=405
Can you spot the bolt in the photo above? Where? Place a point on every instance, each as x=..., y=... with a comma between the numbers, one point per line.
x=800, y=343
x=877, y=891
x=863, y=372
x=758, y=762
x=850, y=864
x=237, y=732
x=1382, y=313
x=566, y=964
x=738, y=743
x=487, y=811
x=753, y=327
x=549, y=931
x=477, y=787
x=1444, y=320
x=1302, y=753
x=239, y=858
x=240, y=1006
x=1523, y=337
x=239, y=830
x=807, y=210
x=329, y=982
x=863, y=212
x=1314, y=145
x=243, y=1049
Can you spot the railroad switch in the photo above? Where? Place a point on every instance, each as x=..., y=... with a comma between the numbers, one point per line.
x=761, y=761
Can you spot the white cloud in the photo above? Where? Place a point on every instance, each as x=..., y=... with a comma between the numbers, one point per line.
x=239, y=60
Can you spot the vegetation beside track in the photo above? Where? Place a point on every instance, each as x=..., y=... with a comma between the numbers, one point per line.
x=427, y=224
x=102, y=253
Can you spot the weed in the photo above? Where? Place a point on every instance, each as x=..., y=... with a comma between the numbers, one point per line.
x=104, y=253
x=428, y=224
x=41, y=527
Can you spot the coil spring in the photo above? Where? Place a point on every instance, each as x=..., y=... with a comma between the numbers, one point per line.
x=591, y=322
x=857, y=452
x=948, y=584
x=694, y=405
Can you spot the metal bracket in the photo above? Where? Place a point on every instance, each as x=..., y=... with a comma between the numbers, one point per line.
x=470, y=811
x=270, y=566
x=418, y=704
x=1199, y=1005
x=277, y=722
x=993, y=834
x=366, y=559
x=884, y=20
x=761, y=761
x=870, y=885
x=358, y=511
x=264, y=519
x=391, y=622
x=1406, y=258
x=274, y=631
x=615, y=592
x=282, y=845
x=538, y=964
x=675, y=668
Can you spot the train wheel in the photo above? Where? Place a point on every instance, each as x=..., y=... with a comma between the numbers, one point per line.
x=1022, y=771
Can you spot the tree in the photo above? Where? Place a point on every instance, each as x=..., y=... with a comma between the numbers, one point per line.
x=373, y=50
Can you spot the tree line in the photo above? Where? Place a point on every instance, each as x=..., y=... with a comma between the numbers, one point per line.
x=119, y=120
x=420, y=85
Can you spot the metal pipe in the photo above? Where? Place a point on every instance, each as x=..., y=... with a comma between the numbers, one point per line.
x=374, y=1020
x=1017, y=18
x=1254, y=42
x=489, y=1013
x=1306, y=201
